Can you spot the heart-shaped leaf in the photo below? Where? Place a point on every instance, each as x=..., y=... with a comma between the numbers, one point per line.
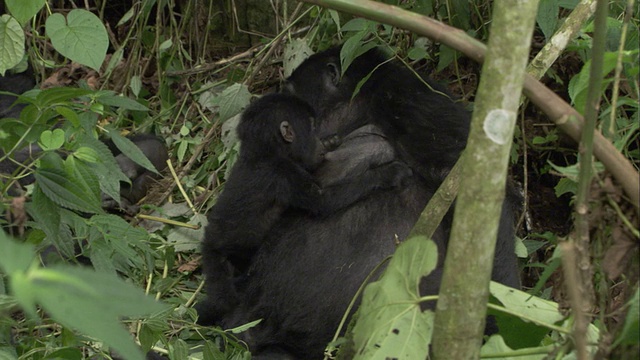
x=51, y=140
x=80, y=37
x=24, y=10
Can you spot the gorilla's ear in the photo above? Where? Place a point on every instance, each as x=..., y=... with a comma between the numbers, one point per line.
x=286, y=130
x=332, y=75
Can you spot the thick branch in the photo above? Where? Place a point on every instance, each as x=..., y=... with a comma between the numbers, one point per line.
x=464, y=292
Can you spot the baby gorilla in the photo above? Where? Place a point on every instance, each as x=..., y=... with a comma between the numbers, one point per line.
x=279, y=152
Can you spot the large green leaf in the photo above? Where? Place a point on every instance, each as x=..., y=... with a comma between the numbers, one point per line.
x=76, y=297
x=390, y=323
x=11, y=43
x=526, y=319
x=80, y=37
x=66, y=191
x=121, y=236
x=24, y=10
x=517, y=332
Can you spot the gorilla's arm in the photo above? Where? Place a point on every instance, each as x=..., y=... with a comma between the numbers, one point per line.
x=362, y=163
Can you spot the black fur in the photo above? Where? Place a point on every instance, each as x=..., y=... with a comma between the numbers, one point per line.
x=302, y=278
x=273, y=174
x=17, y=83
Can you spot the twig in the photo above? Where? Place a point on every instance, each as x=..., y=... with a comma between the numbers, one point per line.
x=559, y=41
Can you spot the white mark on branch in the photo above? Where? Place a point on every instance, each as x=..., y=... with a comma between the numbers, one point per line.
x=496, y=126
x=561, y=39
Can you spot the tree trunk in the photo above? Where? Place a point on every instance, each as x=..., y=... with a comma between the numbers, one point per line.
x=461, y=310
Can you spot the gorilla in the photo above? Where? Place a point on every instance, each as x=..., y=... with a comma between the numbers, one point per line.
x=279, y=151
x=302, y=278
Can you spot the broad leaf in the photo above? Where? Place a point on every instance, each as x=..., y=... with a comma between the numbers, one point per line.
x=390, y=323
x=62, y=190
x=11, y=43
x=80, y=37
x=24, y=10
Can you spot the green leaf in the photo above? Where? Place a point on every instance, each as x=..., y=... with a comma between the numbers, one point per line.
x=390, y=323
x=24, y=10
x=8, y=353
x=185, y=239
x=111, y=99
x=14, y=256
x=80, y=37
x=82, y=176
x=354, y=47
x=59, y=95
x=58, y=187
x=417, y=53
x=106, y=168
x=11, y=43
x=91, y=302
x=68, y=353
x=446, y=57
x=566, y=185
x=178, y=349
x=133, y=152
x=295, y=52
x=135, y=84
x=46, y=216
x=521, y=249
x=230, y=102
x=547, y=17
x=121, y=236
x=579, y=84
x=496, y=348
x=517, y=332
x=51, y=140
x=357, y=24
x=87, y=154
x=69, y=114
x=245, y=327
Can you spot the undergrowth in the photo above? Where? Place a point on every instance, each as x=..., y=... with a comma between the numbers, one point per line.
x=183, y=70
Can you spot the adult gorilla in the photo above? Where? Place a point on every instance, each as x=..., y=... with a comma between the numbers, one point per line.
x=303, y=277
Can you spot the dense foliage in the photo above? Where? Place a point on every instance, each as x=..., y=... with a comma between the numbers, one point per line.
x=183, y=70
